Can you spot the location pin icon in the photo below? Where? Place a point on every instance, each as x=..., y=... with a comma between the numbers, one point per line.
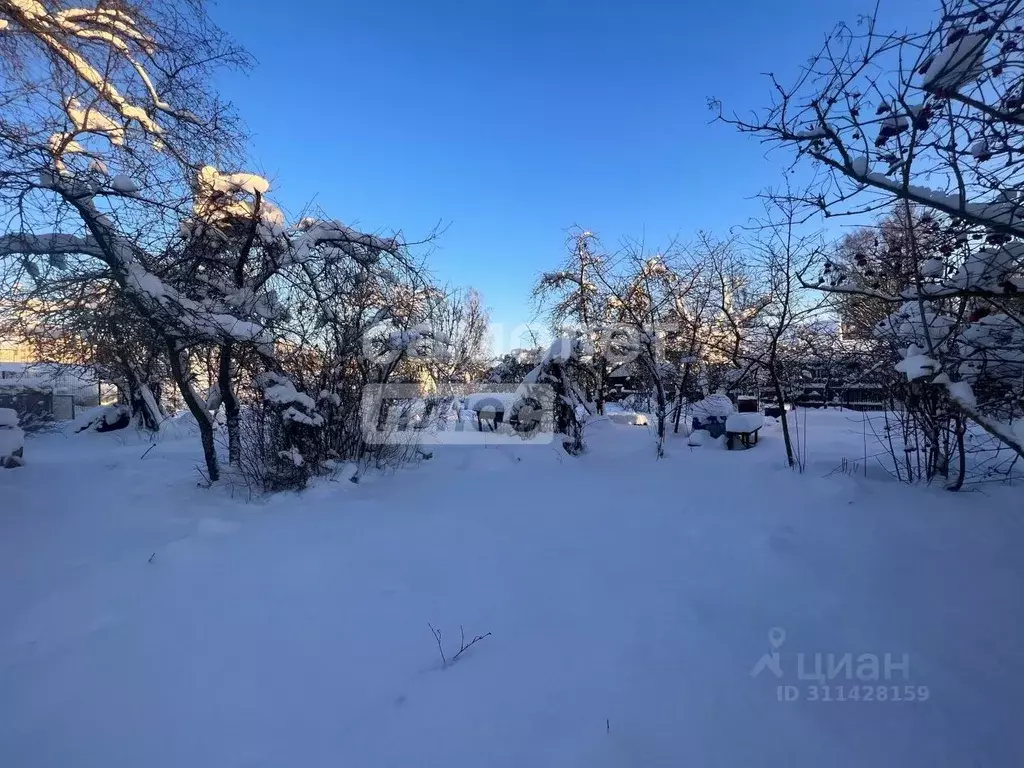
x=776, y=636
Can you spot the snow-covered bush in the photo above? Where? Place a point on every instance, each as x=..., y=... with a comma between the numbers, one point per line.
x=12, y=440
x=280, y=432
x=104, y=419
x=559, y=371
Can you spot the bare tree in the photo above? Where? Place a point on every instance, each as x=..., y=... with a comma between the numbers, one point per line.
x=107, y=111
x=110, y=126
x=930, y=120
x=782, y=255
x=460, y=324
x=573, y=300
x=643, y=292
x=690, y=317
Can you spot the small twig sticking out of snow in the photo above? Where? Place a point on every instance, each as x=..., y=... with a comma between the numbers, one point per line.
x=206, y=479
x=147, y=451
x=151, y=558
x=463, y=645
x=437, y=637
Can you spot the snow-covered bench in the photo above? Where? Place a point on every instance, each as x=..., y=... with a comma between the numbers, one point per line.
x=742, y=427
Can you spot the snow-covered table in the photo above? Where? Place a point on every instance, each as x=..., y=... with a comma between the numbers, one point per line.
x=743, y=427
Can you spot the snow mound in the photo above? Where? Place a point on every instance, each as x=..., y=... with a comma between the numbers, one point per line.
x=718, y=406
x=8, y=417
x=632, y=419
x=108, y=418
x=12, y=439
x=179, y=425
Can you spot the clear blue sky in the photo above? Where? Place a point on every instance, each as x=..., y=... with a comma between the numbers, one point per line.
x=511, y=121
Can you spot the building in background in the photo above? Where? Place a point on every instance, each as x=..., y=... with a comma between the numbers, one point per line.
x=45, y=390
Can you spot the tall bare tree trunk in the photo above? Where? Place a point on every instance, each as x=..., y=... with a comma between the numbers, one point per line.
x=198, y=410
x=777, y=386
x=682, y=389
x=662, y=420
x=961, y=428
x=146, y=412
x=232, y=412
x=661, y=412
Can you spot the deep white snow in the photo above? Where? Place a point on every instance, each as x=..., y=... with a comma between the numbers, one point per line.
x=145, y=621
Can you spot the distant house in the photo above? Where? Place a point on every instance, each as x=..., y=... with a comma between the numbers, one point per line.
x=622, y=382
x=44, y=389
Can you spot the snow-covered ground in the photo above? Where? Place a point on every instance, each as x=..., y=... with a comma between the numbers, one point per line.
x=147, y=622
